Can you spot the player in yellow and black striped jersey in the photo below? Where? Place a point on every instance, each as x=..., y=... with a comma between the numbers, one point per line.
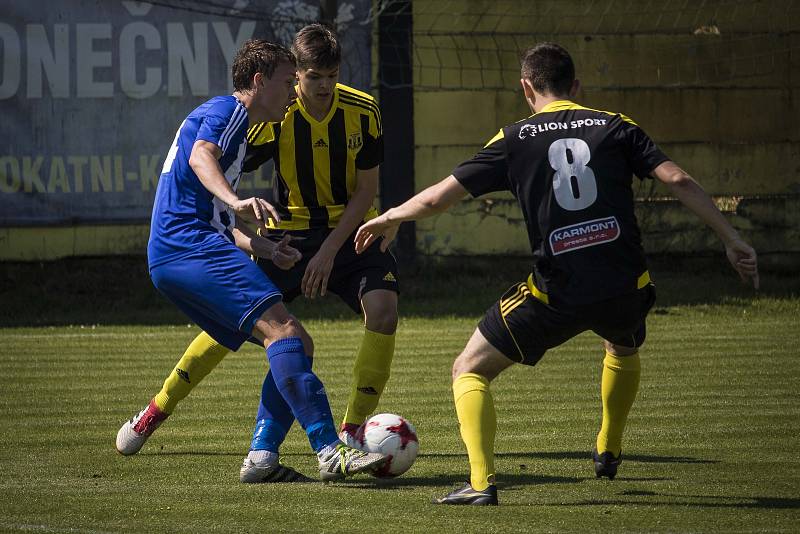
x=327, y=152
x=317, y=159
x=571, y=169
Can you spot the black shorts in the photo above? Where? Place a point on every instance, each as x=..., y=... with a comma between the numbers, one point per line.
x=352, y=275
x=523, y=327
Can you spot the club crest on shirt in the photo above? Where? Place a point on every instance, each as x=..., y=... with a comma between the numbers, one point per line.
x=584, y=234
x=354, y=142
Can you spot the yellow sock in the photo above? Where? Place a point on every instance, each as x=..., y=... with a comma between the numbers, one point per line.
x=618, y=389
x=475, y=409
x=202, y=355
x=370, y=374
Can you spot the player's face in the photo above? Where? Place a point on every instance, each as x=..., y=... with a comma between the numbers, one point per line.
x=274, y=94
x=316, y=86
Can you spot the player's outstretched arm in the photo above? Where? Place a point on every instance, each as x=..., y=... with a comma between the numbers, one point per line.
x=204, y=161
x=431, y=201
x=741, y=255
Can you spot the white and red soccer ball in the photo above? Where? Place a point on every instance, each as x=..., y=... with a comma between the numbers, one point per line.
x=390, y=434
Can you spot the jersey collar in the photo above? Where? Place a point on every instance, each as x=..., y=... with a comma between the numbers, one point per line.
x=557, y=105
x=334, y=105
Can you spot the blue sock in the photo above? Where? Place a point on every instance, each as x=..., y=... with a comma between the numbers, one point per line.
x=267, y=436
x=302, y=390
x=273, y=420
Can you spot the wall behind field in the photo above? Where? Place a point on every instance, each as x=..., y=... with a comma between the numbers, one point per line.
x=92, y=93
x=716, y=85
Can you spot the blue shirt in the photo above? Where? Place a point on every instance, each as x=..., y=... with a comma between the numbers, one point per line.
x=186, y=216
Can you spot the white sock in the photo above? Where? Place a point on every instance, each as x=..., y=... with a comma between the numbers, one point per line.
x=263, y=458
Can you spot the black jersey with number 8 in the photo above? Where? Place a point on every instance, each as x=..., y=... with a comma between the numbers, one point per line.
x=571, y=170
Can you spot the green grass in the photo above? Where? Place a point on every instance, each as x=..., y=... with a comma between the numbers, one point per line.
x=713, y=443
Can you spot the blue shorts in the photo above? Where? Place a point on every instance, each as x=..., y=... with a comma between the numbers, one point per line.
x=220, y=289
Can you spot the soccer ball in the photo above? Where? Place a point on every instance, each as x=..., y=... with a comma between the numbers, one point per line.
x=392, y=435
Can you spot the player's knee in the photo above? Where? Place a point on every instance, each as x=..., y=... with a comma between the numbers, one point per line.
x=293, y=328
x=383, y=323
x=620, y=350
x=466, y=363
x=481, y=359
x=282, y=326
x=381, y=316
x=308, y=343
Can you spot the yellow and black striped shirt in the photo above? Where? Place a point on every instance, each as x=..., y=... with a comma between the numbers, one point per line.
x=316, y=161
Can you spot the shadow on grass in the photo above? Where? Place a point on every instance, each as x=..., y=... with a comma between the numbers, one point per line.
x=508, y=481
x=517, y=456
x=192, y=453
x=117, y=290
x=700, y=501
x=516, y=480
x=581, y=455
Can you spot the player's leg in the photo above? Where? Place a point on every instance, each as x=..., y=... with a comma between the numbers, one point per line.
x=222, y=291
x=368, y=283
x=202, y=355
x=473, y=370
x=274, y=417
x=373, y=360
x=619, y=383
x=618, y=388
x=273, y=421
x=518, y=328
x=282, y=336
x=178, y=281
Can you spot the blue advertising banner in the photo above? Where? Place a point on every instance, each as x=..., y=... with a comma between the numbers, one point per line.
x=92, y=92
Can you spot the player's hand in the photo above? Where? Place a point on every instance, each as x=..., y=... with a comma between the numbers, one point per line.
x=372, y=230
x=743, y=259
x=285, y=256
x=318, y=271
x=255, y=210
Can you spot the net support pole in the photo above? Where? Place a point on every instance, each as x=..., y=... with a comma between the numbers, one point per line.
x=396, y=93
x=328, y=11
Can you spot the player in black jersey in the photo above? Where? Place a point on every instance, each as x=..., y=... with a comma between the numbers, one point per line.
x=571, y=169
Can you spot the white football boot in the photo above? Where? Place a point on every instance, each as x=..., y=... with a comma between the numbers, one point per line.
x=340, y=461
x=134, y=433
x=273, y=471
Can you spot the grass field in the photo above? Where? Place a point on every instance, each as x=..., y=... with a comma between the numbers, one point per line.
x=713, y=443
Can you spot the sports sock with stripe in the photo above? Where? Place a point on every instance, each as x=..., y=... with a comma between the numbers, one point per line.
x=302, y=390
x=370, y=374
x=618, y=388
x=476, y=416
x=274, y=417
x=201, y=356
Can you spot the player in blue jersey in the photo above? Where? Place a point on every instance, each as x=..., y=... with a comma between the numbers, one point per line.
x=570, y=169
x=197, y=222
x=320, y=206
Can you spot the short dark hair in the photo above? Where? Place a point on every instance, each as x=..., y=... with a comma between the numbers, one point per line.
x=316, y=47
x=549, y=68
x=257, y=55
